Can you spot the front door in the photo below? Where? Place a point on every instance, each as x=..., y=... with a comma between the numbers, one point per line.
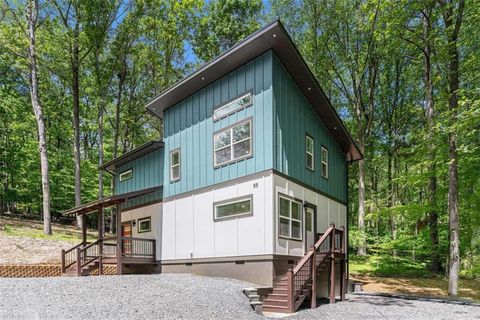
x=127, y=233
x=309, y=226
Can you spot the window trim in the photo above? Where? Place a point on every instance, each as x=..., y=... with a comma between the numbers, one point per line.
x=322, y=162
x=229, y=128
x=308, y=136
x=232, y=201
x=179, y=165
x=139, y=222
x=290, y=199
x=232, y=100
x=129, y=170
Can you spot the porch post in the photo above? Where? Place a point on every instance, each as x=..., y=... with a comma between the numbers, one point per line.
x=100, y=237
x=313, y=303
x=332, y=265
x=118, y=215
x=84, y=228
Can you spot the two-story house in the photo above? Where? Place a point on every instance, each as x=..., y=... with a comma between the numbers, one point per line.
x=250, y=174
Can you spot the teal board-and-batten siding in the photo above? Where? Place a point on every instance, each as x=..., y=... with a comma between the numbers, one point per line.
x=147, y=173
x=294, y=118
x=189, y=126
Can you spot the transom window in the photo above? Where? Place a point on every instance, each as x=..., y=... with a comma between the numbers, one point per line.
x=290, y=218
x=324, y=162
x=233, y=106
x=238, y=207
x=175, y=165
x=233, y=144
x=126, y=175
x=309, y=152
x=144, y=224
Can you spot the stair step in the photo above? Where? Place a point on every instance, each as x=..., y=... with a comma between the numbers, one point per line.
x=278, y=296
x=277, y=309
x=273, y=302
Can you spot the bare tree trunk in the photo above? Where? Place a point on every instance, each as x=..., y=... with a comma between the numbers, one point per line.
x=32, y=17
x=429, y=112
x=452, y=25
x=362, y=248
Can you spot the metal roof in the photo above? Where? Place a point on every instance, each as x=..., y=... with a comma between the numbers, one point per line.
x=271, y=37
x=136, y=153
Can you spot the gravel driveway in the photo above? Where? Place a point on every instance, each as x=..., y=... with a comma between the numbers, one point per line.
x=169, y=296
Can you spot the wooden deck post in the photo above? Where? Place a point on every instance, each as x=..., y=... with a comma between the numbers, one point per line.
x=100, y=237
x=84, y=229
x=290, y=292
x=343, y=266
x=118, y=215
x=314, y=278
x=63, y=261
x=79, y=263
x=332, y=265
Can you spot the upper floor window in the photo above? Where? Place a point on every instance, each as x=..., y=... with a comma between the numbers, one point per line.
x=324, y=162
x=309, y=152
x=290, y=218
x=233, y=143
x=175, y=165
x=126, y=175
x=241, y=102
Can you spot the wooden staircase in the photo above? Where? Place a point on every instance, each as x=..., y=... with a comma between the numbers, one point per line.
x=299, y=283
x=84, y=271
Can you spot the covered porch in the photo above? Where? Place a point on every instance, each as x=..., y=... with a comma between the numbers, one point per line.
x=91, y=257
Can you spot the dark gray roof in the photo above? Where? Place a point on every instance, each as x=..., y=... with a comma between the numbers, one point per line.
x=271, y=37
x=136, y=153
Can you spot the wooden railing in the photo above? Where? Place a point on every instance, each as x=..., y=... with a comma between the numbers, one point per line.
x=302, y=280
x=69, y=257
x=137, y=247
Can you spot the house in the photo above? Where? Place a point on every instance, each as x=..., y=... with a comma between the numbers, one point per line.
x=248, y=182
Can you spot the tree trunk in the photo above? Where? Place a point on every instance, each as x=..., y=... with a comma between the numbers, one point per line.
x=452, y=25
x=429, y=112
x=32, y=16
x=75, y=61
x=362, y=248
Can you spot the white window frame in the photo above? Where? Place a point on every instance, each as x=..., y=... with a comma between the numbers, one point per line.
x=224, y=106
x=324, y=149
x=139, y=223
x=311, y=154
x=289, y=218
x=230, y=129
x=172, y=179
x=121, y=177
x=232, y=201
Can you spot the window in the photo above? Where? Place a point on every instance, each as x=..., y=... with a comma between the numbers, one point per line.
x=126, y=175
x=144, y=225
x=309, y=219
x=324, y=162
x=233, y=106
x=309, y=152
x=290, y=218
x=233, y=143
x=175, y=165
x=233, y=208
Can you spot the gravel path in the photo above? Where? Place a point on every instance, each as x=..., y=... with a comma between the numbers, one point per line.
x=169, y=296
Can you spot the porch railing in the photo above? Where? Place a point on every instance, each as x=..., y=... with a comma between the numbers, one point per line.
x=137, y=247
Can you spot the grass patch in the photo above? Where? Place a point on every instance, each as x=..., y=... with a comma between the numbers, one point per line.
x=387, y=266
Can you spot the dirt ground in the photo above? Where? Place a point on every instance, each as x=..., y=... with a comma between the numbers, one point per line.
x=416, y=286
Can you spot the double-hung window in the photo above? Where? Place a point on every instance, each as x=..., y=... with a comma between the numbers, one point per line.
x=233, y=143
x=309, y=152
x=290, y=218
x=175, y=165
x=324, y=159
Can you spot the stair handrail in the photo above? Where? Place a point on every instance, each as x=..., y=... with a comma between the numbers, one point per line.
x=64, y=264
x=82, y=255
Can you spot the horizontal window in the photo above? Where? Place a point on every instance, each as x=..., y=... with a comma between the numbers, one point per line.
x=175, y=165
x=233, y=106
x=232, y=144
x=126, y=175
x=290, y=218
x=144, y=224
x=239, y=207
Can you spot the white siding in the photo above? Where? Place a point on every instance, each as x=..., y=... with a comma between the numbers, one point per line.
x=155, y=212
x=189, y=229
x=328, y=211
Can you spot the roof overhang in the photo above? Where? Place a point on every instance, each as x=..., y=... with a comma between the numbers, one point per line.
x=110, y=201
x=271, y=37
x=136, y=153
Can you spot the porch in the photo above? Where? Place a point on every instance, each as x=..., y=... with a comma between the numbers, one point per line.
x=92, y=257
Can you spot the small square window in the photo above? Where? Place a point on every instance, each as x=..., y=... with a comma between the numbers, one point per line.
x=145, y=225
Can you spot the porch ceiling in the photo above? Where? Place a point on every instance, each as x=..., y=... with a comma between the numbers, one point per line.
x=107, y=202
